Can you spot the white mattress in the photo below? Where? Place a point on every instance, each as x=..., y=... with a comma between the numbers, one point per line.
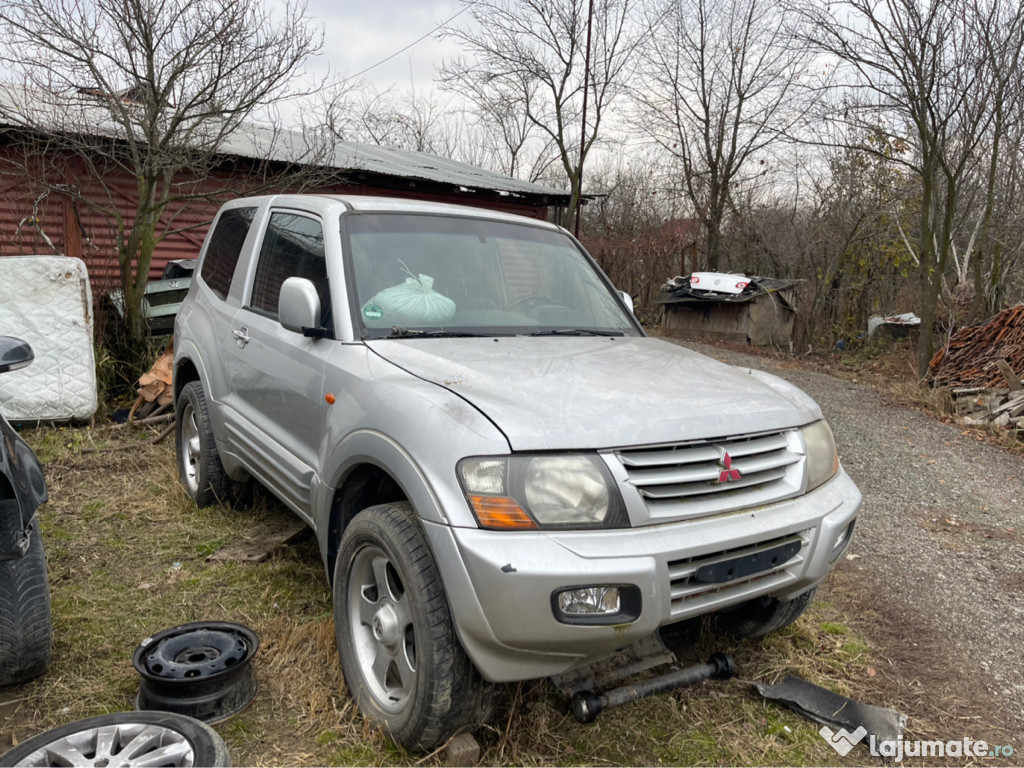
x=46, y=301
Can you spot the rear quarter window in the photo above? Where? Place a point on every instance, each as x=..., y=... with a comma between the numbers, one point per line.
x=224, y=249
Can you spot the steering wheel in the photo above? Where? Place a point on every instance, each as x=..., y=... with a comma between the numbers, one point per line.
x=529, y=302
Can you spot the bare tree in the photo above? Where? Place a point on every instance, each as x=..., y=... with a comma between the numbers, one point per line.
x=1001, y=35
x=925, y=69
x=151, y=91
x=526, y=57
x=719, y=85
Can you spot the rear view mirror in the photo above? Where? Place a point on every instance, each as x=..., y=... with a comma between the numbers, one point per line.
x=627, y=300
x=14, y=354
x=298, y=305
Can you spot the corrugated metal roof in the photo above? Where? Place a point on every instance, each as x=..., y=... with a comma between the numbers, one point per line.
x=266, y=143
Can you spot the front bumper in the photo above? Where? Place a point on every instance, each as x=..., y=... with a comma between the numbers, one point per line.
x=500, y=584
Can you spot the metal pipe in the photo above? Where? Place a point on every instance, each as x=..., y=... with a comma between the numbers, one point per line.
x=586, y=706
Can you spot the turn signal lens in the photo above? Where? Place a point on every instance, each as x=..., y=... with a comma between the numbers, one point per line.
x=500, y=512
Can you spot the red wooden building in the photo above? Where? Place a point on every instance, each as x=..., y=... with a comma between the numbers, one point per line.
x=48, y=210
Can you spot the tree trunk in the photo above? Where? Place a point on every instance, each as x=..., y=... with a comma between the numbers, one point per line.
x=929, y=280
x=713, y=224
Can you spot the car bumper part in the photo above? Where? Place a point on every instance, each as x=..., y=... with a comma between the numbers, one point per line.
x=500, y=585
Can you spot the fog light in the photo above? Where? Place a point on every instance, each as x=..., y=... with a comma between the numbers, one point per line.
x=589, y=601
x=597, y=604
x=843, y=541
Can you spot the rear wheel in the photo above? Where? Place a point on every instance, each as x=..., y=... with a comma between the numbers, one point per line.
x=403, y=663
x=199, y=464
x=763, y=615
x=25, y=627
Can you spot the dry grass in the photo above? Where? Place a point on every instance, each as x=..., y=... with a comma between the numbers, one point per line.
x=127, y=558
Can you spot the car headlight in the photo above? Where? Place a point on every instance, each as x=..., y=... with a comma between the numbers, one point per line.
x=543, y=491
x=822, y=457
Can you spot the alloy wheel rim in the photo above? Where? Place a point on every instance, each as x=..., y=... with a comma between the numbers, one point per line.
x=190, y=449
x=381, y=627
x=121, y=745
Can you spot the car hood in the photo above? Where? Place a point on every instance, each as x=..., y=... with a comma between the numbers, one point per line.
x=549, y=393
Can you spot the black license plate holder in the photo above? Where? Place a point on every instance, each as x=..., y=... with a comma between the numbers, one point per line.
x=746, y=565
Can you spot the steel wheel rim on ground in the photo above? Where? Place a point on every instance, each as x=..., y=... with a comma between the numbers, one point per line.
x=201, y=670
x=190, y=448
x=382, y=630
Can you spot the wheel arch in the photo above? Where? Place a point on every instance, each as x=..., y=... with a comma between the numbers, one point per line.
x=185, y=370
x=368, y=467
x=366, y=484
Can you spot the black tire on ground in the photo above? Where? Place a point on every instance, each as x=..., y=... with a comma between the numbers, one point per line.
x=402, y=660
x=25, y=627
x=167, y=739
x=763, y=615
x=199, y=465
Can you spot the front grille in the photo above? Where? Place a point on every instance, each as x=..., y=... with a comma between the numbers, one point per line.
x=689, y=480
x=688, y=594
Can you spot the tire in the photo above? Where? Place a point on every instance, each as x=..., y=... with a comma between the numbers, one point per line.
x=757, y=618
x=199, y=465
x=25, y=628
x=402, y=660
x=166, y=739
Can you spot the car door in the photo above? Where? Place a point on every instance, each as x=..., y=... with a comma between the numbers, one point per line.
x=277, y=374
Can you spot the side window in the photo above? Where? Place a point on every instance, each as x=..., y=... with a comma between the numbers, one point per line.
x=292, y=247
x=224, y=249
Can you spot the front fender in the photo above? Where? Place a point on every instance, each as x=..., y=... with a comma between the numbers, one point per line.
x=414, y=430
x=371, y=447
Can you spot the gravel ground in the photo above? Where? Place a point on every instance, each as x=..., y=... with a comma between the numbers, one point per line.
x=942, y=523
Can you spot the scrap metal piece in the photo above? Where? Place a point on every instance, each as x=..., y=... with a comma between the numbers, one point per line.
x=631, y=660
x=824, y=706
x=586, y=706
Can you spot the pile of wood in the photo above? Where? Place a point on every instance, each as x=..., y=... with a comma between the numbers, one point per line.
x=973, y=356
x=156, y=395
x=999, y=407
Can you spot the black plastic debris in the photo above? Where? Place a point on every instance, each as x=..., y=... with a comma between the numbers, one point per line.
x=824, y=706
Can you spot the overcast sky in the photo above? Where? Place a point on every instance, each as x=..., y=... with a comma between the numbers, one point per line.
x=360, y=33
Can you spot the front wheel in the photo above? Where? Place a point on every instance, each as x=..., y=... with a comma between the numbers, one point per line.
x=402, y=661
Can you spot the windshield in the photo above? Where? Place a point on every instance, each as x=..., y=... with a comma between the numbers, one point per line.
x=422, y=275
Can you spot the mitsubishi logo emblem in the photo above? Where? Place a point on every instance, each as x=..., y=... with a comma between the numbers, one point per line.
x=727, y=473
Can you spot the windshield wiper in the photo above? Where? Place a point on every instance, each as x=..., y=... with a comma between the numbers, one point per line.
x=577, y=332
x=409, y=333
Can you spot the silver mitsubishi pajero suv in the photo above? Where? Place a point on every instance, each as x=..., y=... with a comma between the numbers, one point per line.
x=507, y=478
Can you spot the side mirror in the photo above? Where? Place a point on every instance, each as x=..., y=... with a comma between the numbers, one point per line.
x=627, y=300
x=298, y=305
x=14, y=354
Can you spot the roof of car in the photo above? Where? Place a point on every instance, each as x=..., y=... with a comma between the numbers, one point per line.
x=322, y=203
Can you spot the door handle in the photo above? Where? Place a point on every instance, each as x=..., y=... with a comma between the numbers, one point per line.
x=241, y=335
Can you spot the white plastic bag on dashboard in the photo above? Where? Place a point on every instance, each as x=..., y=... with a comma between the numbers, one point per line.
x=414, y=302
